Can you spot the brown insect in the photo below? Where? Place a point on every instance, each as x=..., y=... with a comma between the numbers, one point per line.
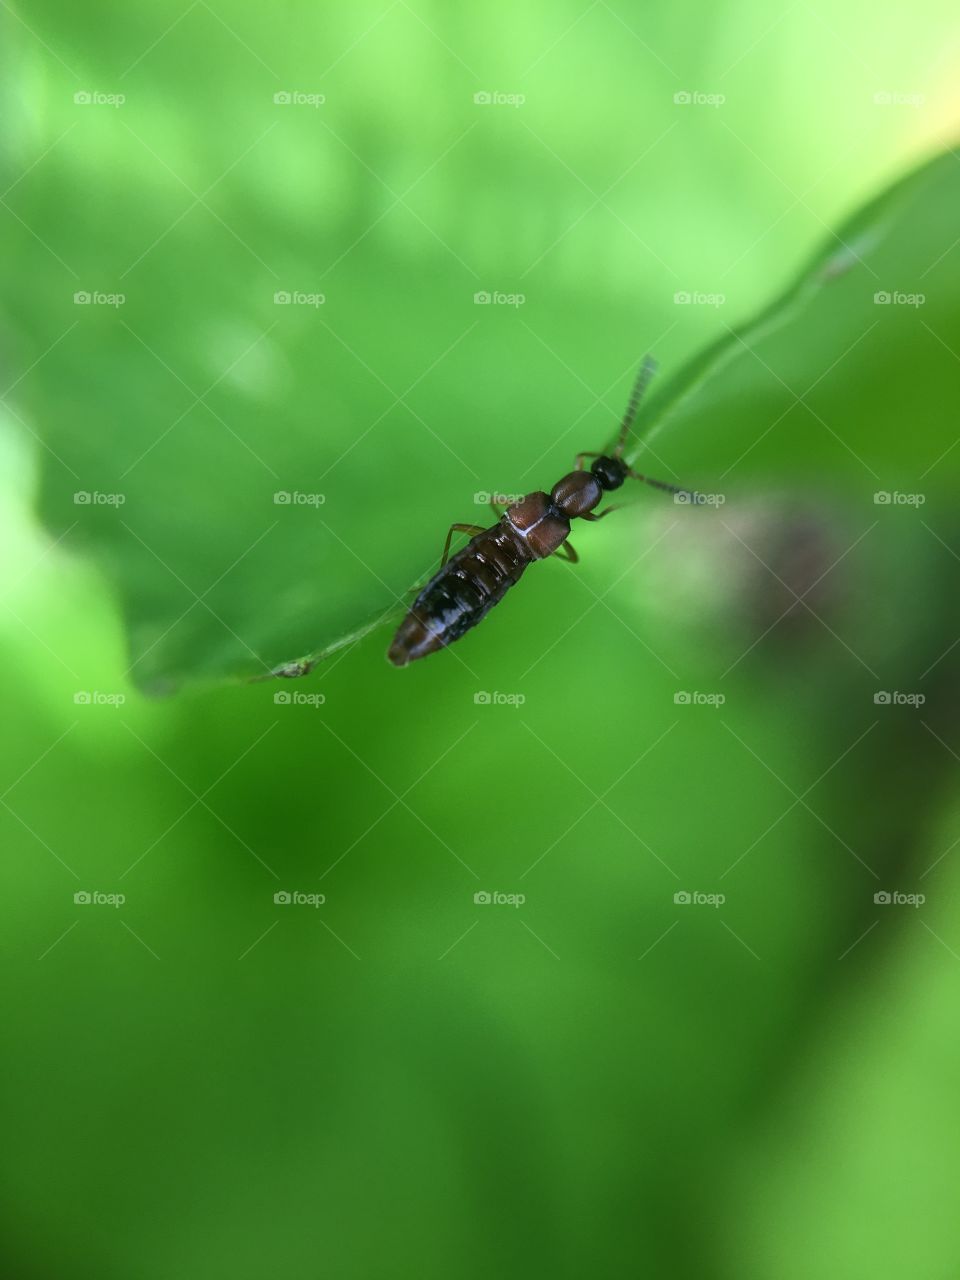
x=470, y=583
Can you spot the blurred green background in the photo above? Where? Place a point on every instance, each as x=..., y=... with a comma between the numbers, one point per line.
x=716, y=760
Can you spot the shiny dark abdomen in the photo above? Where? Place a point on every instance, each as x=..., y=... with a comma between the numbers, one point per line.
x=462, y=593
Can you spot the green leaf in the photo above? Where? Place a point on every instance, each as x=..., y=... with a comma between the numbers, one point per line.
x=384, y=409
x=845, y=376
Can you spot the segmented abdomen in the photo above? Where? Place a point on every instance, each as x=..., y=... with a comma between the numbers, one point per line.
x=461, y=593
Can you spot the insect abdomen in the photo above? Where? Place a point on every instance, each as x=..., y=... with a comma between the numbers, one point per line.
x=462, y=593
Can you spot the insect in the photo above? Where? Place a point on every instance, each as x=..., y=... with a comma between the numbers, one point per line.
x=469, y=583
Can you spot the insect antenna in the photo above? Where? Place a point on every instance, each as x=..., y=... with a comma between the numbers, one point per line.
x=647, y=370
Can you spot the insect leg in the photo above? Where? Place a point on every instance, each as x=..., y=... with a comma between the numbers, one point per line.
x=458, y=528
x=566, y=552
x=497, y=508
x=580, y=457
x=598, y=515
